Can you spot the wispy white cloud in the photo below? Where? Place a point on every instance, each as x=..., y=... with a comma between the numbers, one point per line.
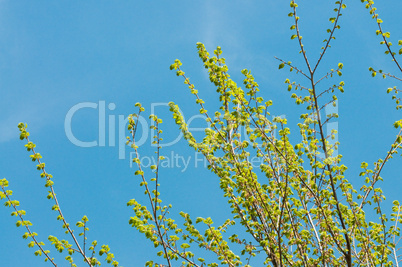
x=223, y=27
x=9, y=128
x=35, y=114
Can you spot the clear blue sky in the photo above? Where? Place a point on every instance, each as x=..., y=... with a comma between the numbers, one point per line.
x=55, y=55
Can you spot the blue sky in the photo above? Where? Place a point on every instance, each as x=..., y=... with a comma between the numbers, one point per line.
x=55, y=55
